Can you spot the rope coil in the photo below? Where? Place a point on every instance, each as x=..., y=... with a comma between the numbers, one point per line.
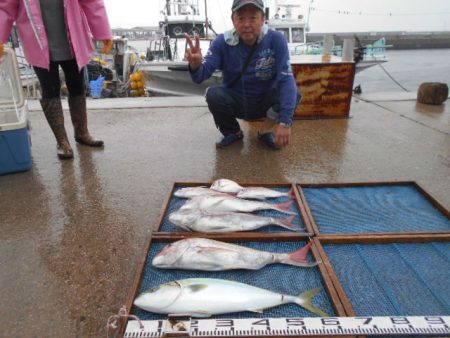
x=113, y=322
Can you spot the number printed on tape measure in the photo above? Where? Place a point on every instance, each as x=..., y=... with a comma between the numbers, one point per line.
x=272, y=327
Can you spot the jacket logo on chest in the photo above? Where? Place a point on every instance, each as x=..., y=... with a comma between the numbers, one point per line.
x=265, y=65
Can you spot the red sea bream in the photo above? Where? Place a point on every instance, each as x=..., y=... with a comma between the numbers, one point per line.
x=210, y=255
x=226, y=221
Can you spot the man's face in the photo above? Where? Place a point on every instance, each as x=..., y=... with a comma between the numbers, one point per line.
x=248, y=22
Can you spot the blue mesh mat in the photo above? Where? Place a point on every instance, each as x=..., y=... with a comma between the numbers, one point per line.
x=276, y=277
x=394, y=279
x=175, y=203
x=373, y=209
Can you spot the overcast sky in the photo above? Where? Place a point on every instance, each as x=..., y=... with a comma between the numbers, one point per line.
x=326, y=15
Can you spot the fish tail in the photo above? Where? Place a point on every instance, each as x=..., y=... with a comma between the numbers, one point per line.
x=305, y=300
x=300, y=257
x=285, y=207
x=288, y=224
x=291, y=193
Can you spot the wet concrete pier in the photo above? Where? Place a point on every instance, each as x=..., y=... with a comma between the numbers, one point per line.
x=73, y=231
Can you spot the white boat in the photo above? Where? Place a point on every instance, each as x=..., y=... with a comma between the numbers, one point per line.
x=172, y=78
x=166, y=69
x=183, y=16
x=365, y=56
x=295, y=30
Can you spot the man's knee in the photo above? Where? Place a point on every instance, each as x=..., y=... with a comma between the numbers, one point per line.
x=274, y=111
x=217, y=95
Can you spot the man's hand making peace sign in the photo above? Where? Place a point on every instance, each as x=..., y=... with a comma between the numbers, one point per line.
x=193, y=53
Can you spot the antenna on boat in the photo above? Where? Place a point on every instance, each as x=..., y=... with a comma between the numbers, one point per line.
x=206, y=19
x=168, y=7
x=309, y=13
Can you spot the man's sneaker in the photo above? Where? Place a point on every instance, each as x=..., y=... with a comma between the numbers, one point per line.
x=230, y=139
x=269, y=140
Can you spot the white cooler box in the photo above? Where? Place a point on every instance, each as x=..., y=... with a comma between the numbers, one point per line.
x=15, y=142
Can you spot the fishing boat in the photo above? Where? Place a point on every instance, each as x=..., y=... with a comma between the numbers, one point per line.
x=183, y=16
x=166, y=69
x=295, y=28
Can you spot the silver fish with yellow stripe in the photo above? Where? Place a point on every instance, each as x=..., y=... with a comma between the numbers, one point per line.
x=204, y=297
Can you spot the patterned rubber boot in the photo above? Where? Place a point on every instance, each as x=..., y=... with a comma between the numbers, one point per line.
x=78, y=113
x=54, y=114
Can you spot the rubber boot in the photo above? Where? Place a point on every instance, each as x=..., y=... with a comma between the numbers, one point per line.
x=54, y=114
x=78, y=113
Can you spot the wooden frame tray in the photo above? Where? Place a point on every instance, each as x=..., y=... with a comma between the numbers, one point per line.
x=397, y=279
x=395, y=208
x=172, y=203
x=249, y=237
x=335, y=290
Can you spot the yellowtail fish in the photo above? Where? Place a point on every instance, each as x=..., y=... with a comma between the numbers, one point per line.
x=210, y=255
x=230, y=203
x=226, y=221
x=204, y=297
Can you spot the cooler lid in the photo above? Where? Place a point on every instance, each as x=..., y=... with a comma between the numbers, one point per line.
x=11, y=95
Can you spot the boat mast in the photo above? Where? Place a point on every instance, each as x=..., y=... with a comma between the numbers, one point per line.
x=168, y=7
x=206, y=18
x=309, y=13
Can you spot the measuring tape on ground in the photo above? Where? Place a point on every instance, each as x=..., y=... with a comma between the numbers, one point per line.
x=183, y=326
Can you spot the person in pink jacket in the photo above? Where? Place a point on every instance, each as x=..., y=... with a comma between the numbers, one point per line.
x=58, y=33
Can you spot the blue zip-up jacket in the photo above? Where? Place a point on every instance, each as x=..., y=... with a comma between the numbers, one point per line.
x=269, y=69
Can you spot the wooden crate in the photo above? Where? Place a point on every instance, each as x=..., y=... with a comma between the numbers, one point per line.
x=331, y=276
x=161, y=236
x=326, y=88
x=338, y=252
x=400, y=280
x=387, y=207
x=161, y=227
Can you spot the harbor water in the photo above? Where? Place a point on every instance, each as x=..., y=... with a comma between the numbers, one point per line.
x=409, y=68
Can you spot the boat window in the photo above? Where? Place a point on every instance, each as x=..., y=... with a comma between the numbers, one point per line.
x=285, y=32
x=297, y=35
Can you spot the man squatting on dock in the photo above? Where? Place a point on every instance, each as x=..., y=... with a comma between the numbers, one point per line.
x=257, y=77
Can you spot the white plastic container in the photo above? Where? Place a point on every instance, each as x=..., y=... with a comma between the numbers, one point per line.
x=15, y=143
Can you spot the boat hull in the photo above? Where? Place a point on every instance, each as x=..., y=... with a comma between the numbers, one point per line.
x=171, y=78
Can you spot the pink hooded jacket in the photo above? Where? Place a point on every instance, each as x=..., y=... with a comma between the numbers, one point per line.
x=83, y=19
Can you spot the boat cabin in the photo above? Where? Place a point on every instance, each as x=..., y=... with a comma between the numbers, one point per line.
x=183, y=16
x=293, y=28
